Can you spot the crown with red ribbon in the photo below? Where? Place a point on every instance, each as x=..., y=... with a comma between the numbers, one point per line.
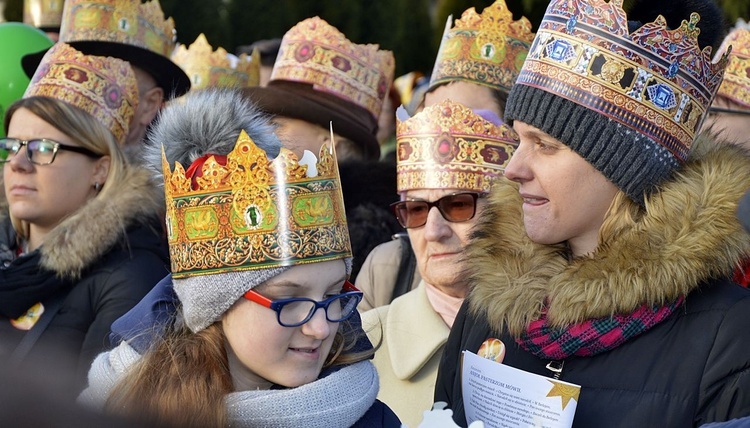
x=654, y=80
x=243, y=212
x=103, y=87
x=450, y=146
x=316, y=53
x=736, y=84
x=208, y=68
x=487, y=49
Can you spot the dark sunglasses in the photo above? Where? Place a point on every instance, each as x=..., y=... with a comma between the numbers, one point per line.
x=38, y=152
x=454, y=208
x=295, y=311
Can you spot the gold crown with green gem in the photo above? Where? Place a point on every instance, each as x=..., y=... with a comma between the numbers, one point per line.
x=207, y=68
x=487, y=49
x=245, y=212
x=449, y=146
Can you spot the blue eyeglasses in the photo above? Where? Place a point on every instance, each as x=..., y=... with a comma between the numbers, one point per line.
x=295, y=311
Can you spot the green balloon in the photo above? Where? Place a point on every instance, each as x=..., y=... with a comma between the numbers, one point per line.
x=16, y=40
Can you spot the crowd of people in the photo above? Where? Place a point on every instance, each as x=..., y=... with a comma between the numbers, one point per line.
x=293, y=236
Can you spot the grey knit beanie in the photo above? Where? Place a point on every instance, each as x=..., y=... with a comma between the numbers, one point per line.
x=628, y=103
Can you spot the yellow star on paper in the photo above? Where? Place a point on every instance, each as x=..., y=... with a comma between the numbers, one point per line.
x=564, y=391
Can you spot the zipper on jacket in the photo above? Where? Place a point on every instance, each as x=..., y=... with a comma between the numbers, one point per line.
x=556, y=367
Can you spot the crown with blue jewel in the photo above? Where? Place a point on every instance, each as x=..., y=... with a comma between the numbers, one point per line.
x=654, y=80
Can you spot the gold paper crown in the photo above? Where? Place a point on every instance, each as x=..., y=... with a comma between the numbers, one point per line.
x=449, y=146
x=314, y=52
x=103, y=87
x=208, y=68
x=736, y=84
x=655, y=80
x=250, y=213
x=43, y=13
x=487, y=49
x=128, y=22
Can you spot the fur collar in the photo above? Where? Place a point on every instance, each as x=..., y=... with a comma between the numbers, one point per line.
x=690, y=233
x=84, y=237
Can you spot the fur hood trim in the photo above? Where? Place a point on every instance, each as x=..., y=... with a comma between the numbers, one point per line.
x=689, y=233
x=83, y=238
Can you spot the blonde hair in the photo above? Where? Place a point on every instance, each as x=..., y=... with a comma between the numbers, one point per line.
x=183, y=379
x=85, y=130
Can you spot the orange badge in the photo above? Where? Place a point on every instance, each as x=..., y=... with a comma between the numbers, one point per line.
x=27, y=320
x=492, y=349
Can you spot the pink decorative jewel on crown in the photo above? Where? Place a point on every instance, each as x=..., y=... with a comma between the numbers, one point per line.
x=654, y=80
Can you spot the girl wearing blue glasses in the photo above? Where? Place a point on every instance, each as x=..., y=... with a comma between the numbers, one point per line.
x=265, y=331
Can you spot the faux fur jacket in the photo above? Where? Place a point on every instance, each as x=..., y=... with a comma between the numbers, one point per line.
x=685, y=371
x=112, y=251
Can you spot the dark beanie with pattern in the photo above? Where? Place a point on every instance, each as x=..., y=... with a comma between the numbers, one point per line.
x=629, y=103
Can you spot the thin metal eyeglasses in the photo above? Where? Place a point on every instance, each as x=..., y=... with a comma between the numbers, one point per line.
x=455, y=208
x=39, y=152
x=295, y=311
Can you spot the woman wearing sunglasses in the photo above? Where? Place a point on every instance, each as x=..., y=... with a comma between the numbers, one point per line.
x=447, y=157
x=81, y=241
x=266, y=331
x=604, y=255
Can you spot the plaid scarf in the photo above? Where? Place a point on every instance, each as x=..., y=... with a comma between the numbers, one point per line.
x=591, y=337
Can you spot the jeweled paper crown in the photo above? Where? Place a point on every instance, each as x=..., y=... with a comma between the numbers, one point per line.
x=315, y=52
x=128, y=22
x=208, y=68
x=449, y=146
x=736, y=84
x=487, y=48
x=244, y=212
x=655, y=80
x=43, y=13
x=103, y=87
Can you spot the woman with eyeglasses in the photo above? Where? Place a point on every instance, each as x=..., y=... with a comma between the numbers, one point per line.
x=447, y=158
x=82, y=240
x=265, y=330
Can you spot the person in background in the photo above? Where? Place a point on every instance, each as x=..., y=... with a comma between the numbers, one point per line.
x=268, y=50
x=478, y=62
x=263, y=333
x=207, y=67
x=448, y=157
x=82, y=239
x=87, y=25
x=604, y=255
x=729, y=115
x=45, y=15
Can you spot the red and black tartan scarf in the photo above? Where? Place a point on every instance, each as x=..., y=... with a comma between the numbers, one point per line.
x=591, y=337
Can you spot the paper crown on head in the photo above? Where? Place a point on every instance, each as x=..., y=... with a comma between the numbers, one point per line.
x=449, y=146
x=44, y=14
x=654, y=80
x=487, y=49
x=316, y=53
x=103, y=87
x=208, y=68
x=127, y=29
x=243, y=212
x=736, y=84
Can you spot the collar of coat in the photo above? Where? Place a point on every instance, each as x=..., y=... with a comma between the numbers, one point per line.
x=689, y=233
x=81, y=239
